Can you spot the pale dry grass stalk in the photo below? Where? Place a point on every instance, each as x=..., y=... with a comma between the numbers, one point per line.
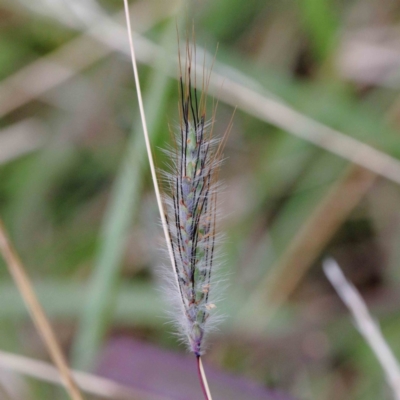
x=21, y=138
x=67, y=61
x=277, y=112
x=38, y=315
x=190, y=147
x=333, y=210
x=5, y=395
x=89, y=383
x=335, y=207
x=265, y=107
x=366, y=324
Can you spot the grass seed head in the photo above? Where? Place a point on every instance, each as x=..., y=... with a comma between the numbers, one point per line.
x=191, y=205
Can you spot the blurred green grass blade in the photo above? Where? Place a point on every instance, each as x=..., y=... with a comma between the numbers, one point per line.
x=135, y=304
x=281, y=166
x=321, y=24
x=305, y=197
x=123, y=206
x=284, y=167
x=309, y=191
x=228, y=19
x=35, y=178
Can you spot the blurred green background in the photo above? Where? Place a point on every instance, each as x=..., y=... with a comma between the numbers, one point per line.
x=77, y=198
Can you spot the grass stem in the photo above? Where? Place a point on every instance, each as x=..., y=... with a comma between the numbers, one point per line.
x=146, y=135
x=203, y=379
x=366, y=324
x=37, y=313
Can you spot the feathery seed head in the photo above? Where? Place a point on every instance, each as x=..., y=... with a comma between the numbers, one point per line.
x=191, y=209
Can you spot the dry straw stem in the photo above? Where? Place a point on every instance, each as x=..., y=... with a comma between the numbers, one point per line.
x=21, y=138
x=278, y=113
x=4, y=395
x=51, y=71
x=344, y=195
x=273, y=110
x=42, y=324
x=146, y=137
x=366, y=325
x=203, y=378
x=6, y=389
x=91, y=384
x=95, y=44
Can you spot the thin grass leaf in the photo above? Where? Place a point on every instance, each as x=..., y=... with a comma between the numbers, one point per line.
x=37, y=313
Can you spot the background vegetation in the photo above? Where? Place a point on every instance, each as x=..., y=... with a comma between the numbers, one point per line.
x=314, y=81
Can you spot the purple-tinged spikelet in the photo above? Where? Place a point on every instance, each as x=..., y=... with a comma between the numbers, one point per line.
x=191, y=211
